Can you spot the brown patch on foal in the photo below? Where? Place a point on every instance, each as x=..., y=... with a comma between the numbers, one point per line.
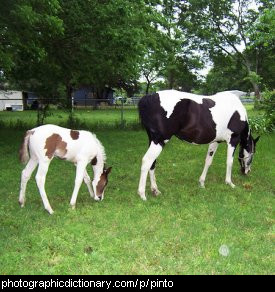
x=55, y=146
x=103, y=181
x=74, y=134
x=101, y=184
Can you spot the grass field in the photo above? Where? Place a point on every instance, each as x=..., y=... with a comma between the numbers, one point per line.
x=92, y=119
x=179, y=232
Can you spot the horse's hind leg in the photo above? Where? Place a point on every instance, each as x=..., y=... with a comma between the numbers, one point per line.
x=154, y=187
x=208, y=161
x=40, y=181
x=147, y=161
x=25, y=176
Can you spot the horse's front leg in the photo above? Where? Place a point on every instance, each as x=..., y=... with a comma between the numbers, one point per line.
x=88, y=182
x=229, y=164
x=80, y=170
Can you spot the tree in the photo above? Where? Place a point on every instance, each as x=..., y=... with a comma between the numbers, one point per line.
x=57, y=45
x=262, y=35
x=26, y=28
x=226, y=73
x=224, y=26
x=169, y=54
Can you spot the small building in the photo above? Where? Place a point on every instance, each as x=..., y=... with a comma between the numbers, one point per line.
x=12, y=100
x=86, y=96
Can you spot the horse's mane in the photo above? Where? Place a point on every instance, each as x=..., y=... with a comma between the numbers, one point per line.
x=101, y=148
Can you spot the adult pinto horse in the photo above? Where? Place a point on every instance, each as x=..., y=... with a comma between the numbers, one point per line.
x=42, y=144
x=198, y=120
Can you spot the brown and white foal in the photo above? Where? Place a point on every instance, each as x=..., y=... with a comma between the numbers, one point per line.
x=43, y=143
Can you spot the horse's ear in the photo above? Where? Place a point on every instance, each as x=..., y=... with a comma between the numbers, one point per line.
x=108, y=170
x=256, y=140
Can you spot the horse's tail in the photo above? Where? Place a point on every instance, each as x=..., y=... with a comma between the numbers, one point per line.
x=144, y=108
x=147, y=107
x=24, y=151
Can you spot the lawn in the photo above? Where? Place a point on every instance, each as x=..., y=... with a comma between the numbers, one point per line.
x=103, y=118
x=179, y=232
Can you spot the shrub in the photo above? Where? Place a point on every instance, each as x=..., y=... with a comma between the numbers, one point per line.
x=265, y=122
x=269, y=108
x=259, y=124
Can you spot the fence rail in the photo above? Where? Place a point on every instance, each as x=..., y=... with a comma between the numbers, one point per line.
x=77, y=102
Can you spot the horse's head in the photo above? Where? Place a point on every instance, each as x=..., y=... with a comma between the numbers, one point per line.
x=101, y=184
x=246, y=153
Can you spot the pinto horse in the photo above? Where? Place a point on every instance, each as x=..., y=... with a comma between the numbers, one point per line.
x=197, y=120
x=42, y=144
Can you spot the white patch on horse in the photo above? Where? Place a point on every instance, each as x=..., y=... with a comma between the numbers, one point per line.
x=169, y=99
x=221, y=118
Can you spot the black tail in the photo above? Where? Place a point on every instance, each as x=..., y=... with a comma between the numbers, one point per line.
x=146, y=108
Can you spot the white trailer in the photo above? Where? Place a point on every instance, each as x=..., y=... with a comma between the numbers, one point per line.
x=11, y=100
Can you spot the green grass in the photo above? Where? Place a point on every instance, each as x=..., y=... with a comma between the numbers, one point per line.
x=95, y=119
x=105, y=118
x=179, y=232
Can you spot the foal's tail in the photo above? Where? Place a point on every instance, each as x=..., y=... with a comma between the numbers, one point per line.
x=24, y=151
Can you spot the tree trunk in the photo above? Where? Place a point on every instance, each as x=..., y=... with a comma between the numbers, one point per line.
x=256, y=90
x=69, y=91
x=170, y=79
x=254, y=83
x=147, y=85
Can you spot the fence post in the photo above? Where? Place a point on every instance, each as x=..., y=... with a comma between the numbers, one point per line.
x=122, y=114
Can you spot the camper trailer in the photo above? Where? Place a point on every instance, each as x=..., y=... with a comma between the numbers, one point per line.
x=12, y=100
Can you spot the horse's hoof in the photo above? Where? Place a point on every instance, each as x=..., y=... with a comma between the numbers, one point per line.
x=143, y=197
x=202, y=184
x=156, y=192
x=21, y=204
x=230, y=184
x=50, y=211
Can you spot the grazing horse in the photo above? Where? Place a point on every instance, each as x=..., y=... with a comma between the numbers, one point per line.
x=197, y=120
x=42, y=144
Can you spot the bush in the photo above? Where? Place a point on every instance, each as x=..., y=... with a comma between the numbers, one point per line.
x=265, y=122
x=269, y=108
x=259, y=124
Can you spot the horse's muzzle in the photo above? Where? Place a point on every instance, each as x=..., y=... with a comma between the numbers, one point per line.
x=98, y=198
x=243, y=171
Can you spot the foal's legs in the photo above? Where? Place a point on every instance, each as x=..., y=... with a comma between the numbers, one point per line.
x=229, y=163
x=208, y=161
x=148, y=159
x=40, y=181
x=25, y=176
x=88, y=182
x=80, y=171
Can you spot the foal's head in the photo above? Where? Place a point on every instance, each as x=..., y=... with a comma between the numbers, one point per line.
x=246, y=153
x=102, y=183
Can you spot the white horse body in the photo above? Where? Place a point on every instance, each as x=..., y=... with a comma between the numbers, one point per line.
x=80, y=147
x=85, y=147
